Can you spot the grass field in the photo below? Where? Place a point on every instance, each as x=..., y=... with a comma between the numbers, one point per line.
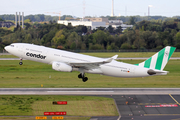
x=33, y=74
x=77, y=105
x=8, y=56
x=48, y=118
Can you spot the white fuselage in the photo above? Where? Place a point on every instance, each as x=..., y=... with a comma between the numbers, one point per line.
x=49, y=55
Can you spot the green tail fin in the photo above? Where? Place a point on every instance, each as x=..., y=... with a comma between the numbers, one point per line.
x=159, y=60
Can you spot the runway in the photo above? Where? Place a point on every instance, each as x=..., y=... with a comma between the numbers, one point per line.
x=131, y=103
x=89, y=91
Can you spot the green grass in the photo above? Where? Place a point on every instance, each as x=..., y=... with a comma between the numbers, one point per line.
x=36, y=105
x=33, y=74
x=8, y=56
x=18, y=118
x=48, y=118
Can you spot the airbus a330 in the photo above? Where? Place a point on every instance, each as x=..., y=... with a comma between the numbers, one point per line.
x=68, y=61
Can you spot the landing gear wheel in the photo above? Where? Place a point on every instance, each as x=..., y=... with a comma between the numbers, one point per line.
x=20, y=63
x=85, y=79
x=80, y=75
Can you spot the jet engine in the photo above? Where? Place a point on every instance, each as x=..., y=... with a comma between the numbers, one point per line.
x=58, y=66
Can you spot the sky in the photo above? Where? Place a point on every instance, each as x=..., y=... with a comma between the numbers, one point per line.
x=94, y=8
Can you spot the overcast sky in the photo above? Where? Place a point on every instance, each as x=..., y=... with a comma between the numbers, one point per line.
x=96, y=8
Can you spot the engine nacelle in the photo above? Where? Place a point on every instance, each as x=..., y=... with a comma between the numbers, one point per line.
x=58, y=66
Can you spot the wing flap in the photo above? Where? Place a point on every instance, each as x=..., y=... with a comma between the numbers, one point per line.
x=92, y=65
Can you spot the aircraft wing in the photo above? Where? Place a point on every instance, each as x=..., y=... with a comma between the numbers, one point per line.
x=92, y=65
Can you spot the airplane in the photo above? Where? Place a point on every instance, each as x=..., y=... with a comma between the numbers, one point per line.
x=65, y=61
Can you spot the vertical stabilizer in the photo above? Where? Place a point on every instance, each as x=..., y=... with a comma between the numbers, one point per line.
x=159, y=60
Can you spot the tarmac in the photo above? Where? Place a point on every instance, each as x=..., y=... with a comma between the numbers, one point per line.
x=148, y=107
x=131, y=103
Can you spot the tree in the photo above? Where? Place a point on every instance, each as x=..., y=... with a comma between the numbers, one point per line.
x=84, y=29
x=142, y=25
x=1, y=19
x=100, y=37
x=46, y=40
x=28, y=38
x=139, y=41
x=131, y=36
x=69, y=26
x=150, y=38
x=110, y=29
x=125, y=46
x=101, y=28
x=132, y=20
x=74, y=39
x=27, y=21
x=80, y=29
x=73, y=46
x=118, y=30
x=177, y=40
x=112, y=47
x=27, y=26
x=59, y=38
x=96, y=47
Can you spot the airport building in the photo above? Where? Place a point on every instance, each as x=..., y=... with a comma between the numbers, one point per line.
x=117, y=23
x=97, y=19
x=93, y=23
x=90, y=24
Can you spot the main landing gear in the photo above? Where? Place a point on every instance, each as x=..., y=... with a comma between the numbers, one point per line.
x=81, y=75
x=20, y=63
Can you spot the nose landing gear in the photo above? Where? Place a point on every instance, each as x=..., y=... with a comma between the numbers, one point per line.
x=20, y=63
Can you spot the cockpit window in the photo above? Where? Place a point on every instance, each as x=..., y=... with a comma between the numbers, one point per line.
x=12, y=45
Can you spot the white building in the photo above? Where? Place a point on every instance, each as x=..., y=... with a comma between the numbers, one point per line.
x=92, y=25
x=117, y=23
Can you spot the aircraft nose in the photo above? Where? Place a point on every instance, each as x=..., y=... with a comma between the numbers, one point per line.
x=6, y=48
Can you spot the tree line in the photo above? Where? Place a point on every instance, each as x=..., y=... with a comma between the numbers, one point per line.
x=154, y=34
x=36, y=18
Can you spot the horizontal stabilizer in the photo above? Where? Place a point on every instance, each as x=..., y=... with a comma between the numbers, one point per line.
x=156, y=72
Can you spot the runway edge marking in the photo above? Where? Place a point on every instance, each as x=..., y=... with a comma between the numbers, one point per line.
x=174, y=99
x=117, y=110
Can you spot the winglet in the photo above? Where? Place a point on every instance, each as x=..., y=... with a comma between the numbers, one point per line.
x=114, y=57
x=110, y=59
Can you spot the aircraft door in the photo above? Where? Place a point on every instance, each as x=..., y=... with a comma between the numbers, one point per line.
x=20, y=50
